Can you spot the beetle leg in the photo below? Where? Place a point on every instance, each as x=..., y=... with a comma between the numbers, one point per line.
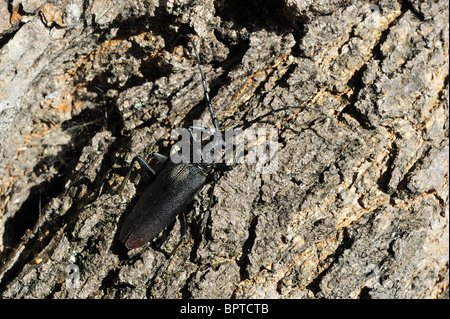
x=159, y=157
x=183, y=235
x=144, y=165
x=182, y=240
x=211, y=193
x=195, y=129
x=221, y=167
x=218, y=167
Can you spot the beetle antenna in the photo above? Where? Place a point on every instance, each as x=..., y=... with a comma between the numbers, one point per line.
x=259, y=118
x=205, y=85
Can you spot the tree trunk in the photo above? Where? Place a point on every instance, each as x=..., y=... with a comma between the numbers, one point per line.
x=355, y=212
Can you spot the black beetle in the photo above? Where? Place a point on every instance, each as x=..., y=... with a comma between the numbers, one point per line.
x=175, y=186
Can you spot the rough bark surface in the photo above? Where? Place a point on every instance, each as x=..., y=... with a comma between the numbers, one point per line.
x=357, y=213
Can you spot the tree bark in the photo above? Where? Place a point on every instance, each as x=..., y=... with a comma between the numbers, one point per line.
x=358, y=212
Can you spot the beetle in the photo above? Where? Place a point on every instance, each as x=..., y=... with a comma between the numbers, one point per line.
x=176, y=185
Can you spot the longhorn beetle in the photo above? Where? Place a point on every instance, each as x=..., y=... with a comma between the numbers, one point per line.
x=176, y=185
